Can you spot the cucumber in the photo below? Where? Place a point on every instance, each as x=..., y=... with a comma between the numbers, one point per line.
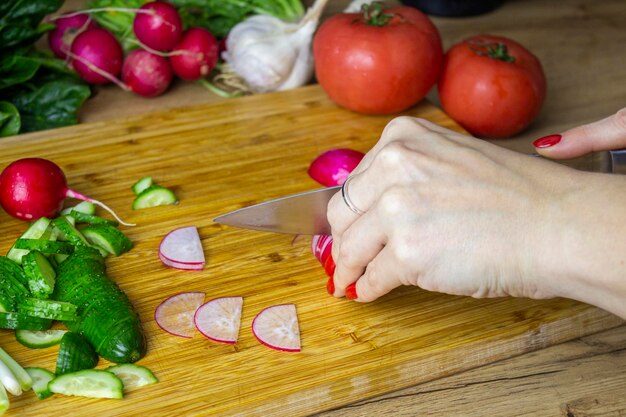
x=40, y=274
x=75, y=354
x=45, y=246
x=13, y=283
x=35, y=231
x=133, y=376
x=92, y=383
x=68, y=231
x=41, y=377
x=91, y=219
x=16, y=369
x=107, y=319
x=48, y=309
x=6, y=303
x=108, y=238
x=153, y=196
x=82, y=207
x=39, y=339
x=141, y=185
x=22, y=321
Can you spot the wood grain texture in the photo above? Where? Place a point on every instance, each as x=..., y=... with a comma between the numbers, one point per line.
x=228, y=155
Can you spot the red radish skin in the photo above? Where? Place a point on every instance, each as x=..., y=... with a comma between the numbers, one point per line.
x=195, y=56
x=220, y=319
x=179, y=265
x=97, y=56
x=334, y=166
x=321, y=246
x=67, y=28
x=175, y=315
x=161, y=29
x=146, y=74
x=277, y=328
x=31, y=188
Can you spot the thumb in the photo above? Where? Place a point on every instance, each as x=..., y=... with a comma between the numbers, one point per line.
x=603, y=135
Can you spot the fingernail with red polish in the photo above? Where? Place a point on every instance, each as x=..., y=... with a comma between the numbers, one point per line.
x=330, y=286
x=351, y=291
x=330, y=266
x=547, y=141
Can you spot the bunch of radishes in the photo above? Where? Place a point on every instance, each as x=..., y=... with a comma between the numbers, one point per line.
x=164, y=50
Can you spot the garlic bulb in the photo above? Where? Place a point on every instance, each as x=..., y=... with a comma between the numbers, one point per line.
x=270, y=54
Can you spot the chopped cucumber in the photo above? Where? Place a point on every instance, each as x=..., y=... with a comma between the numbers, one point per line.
x=82, y=207
x=108, y=238
x=40, y=273
x=141, y=185
x=35, y=231
x=6, y=303
x=75, y=354
x=22, y=376
x=39, y=339
x=132, y=375
x=91, y=219
x=41, y=377
x=4, y=400
x=48, y=309
x=69, y=231
x=45, y=246
x=22, y=321
x=91, y=383
x=13, y=284
x=154, y=196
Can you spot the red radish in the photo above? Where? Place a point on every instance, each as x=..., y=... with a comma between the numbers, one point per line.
x=67, y=28
x=180, y=265
x=31, y=188
x=277, y=327
x=97, y=56
x=333, y=167
x=161, y=29
x=146, y=74
x=175, y=314
x=220, y=319
x=195, y=55
x=321, y=246
x=182, y=247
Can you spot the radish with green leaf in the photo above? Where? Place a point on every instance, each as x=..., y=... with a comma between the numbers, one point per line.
x=68, y=26
x=97, y=56
x=146, y=74
x=159, y=26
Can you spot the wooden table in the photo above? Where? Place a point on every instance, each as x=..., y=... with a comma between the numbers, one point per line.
x=581, y=45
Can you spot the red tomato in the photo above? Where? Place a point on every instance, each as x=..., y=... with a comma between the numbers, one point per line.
x=378, y=67
x=487, y=94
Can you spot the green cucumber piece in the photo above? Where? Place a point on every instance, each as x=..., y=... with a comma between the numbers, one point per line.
x=82, y=207
x=133, y=376
x=45, y=246
x=39, y=339
x=75, y=354
x=108, y=238
x=35, y=231
x=68, y=231
x=23, y=321
x=6, y=303
x=22, y=376
x=91, y=219
x=92, y=383
x=4, y=400
x=154, y=196
x=13, y=283
x=41, y=377
x=141, y=185
x=40, y=273
x=48, y=309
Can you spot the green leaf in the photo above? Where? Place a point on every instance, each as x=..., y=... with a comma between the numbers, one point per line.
x=9, y=119
x=16, y=70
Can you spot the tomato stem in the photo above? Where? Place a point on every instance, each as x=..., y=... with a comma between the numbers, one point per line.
x=497, y=51
x=373, y=14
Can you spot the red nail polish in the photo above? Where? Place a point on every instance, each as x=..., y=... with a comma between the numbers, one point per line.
x=351, y=291
x=330, y=266
x=547, y=141
x=330, y=286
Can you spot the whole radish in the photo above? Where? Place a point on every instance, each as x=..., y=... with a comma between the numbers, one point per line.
x=97, y=56
x=195, y=55
x=31, y=188
x=67, y=28
x=161, y=29
x=146, y=74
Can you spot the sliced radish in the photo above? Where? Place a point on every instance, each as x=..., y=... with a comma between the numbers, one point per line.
x=321, y=246
x=175, y=315
x=277, y=327
x=180, y=265
x=220, y=319
x=183, y=246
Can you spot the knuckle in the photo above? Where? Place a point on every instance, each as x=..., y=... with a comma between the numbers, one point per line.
x=392, y=202
x=392, y=155
x=403, y=124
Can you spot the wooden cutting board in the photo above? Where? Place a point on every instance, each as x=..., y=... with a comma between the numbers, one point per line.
x=229, y=155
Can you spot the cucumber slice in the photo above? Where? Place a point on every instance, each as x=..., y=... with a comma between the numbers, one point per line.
x=91, y=383
x=40, y=273
x=108, y=238
x=41, y=377
x=82, y=207
x=65, y=224
x=45, y=246
x=22, y=376
x=13, y=283
x=75, y=354
x=154, y=196
x=34, y=231
x=6, y=303
x=141, y=185
x=133, y=376
x=39, y=339
x=22, y=321
x=4, y=400
x=48, y=309
x=91, y=219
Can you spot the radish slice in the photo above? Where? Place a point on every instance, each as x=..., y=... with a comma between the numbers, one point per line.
x=220, y=319
x=333, y=166
x=175, y=315
x=321, y=246
x=277, y=327
x=183, y=246
x=180, y=265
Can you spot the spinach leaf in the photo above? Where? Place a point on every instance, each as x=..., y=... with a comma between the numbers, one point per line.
x=9, y=119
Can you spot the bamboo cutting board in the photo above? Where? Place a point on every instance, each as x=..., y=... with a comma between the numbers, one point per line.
x=232, y=154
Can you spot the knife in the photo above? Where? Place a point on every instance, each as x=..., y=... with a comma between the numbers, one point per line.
x=305, y=213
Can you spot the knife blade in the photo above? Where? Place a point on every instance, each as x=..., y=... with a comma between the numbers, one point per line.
x=305, y=213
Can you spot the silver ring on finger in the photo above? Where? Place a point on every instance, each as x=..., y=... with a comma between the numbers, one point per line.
x=347, y=199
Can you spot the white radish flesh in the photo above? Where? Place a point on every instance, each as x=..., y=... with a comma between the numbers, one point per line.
x=183, y=246
x=175, y=315
x=220, y=319
x=277, y=327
